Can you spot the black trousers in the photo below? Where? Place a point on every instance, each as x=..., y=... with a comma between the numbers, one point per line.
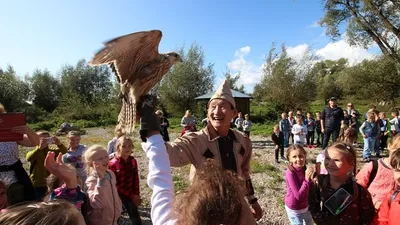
x=319, y=137
x=310, y=137
x=383, y=143
x=327, y=136
x=279, y=149
x=132, y=211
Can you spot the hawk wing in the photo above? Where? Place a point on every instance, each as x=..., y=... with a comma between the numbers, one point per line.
x=127, y=54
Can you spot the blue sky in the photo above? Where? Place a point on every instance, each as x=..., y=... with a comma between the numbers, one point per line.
x=233, y=34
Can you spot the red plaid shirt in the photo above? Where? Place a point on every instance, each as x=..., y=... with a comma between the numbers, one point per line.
x=127, y=176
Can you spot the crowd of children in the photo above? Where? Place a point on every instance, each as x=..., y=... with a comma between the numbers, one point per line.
x=334, y=192
x=100, y=182
x=86, y=177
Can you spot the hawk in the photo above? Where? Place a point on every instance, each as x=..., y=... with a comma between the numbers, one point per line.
x=135, y=60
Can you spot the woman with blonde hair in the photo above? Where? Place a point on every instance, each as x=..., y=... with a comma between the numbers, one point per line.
x=188, y=123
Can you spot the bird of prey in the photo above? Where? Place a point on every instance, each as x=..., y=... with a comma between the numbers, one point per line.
x=138, y=65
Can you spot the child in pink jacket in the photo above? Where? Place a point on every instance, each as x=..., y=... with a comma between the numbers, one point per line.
x=383, y=182
x=101, y=188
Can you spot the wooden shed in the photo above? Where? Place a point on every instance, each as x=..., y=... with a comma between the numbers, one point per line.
x=242, y=100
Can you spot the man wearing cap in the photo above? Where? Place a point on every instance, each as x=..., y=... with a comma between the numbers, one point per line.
x=228, y=148
x=331, y=119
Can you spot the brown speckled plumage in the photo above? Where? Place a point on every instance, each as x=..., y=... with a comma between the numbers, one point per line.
x=135, y=59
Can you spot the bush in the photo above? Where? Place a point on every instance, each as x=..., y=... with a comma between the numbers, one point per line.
x=45, y=125
x=265, y=112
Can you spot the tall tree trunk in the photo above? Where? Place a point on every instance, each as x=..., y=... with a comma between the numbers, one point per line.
x=385, y=21
x=379, y=40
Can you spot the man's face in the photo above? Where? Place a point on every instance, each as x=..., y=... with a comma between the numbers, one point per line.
x=350, y=106
x=332, y=103
x=220, y=114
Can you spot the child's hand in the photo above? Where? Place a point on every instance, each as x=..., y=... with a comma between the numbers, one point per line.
x=56, y=141
x=365, y=136
x=377, y=204
x=100, y=170
x=59, y=169
x=42, y=144
x=137, y=200
x=21, y=129
x=309, y=173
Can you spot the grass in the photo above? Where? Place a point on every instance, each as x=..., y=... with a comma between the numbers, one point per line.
x=179, y=183
x=257, y=167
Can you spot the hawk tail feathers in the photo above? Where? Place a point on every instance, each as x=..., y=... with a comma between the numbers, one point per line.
x=127, y=115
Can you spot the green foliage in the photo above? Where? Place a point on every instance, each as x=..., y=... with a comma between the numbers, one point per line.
x=85, y=84
x=376, y=79
x=233, y=81
x=326, y=74
x=266, y=112
x=368, y=21
x=285, y=81
x=186, y=80
x=45, y=90
x=13, y=90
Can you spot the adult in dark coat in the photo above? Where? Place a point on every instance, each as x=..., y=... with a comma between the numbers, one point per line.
x=331, y=119
x=164, y=123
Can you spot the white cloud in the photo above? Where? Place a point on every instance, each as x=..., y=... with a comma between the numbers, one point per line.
x=341, y=49
x=243, y=51
x=298, y=51
x=313, y=25
x=251, y=73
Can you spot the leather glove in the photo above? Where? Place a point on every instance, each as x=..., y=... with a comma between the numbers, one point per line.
x=149, y=121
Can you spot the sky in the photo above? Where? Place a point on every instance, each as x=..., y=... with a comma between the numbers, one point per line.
x=234, y=35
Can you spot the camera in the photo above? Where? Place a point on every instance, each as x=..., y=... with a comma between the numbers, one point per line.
x=48, y=140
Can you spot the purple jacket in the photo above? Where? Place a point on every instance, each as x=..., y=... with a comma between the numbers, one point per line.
x=297, y=189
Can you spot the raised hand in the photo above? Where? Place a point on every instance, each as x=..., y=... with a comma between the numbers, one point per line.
x=61, y=170
x=100, y=170
x=309, y=173
x=56, y=141
x=21, y=129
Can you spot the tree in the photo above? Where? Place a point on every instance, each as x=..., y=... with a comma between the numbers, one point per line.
x=369, y=21
x=233, y=80
x=45, y=90
x=13, y=90
x=285, y=82
x=86, y=84
x=374, y=79
x=326, y=74
x=186, y=80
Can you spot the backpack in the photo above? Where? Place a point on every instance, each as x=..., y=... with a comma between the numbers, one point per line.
x=374, y=170
x=393, y=197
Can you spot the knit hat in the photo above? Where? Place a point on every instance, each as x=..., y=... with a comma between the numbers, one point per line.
x=224, y=92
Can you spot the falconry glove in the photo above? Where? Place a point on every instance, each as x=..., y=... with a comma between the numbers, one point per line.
x=149, y=121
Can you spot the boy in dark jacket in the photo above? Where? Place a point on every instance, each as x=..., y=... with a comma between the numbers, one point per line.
x=278, y=139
